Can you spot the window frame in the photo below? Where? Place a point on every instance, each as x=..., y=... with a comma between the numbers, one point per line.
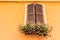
x=44, y=13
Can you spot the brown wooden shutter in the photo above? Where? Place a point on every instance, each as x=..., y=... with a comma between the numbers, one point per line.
x=30, y=14
x=39, y=14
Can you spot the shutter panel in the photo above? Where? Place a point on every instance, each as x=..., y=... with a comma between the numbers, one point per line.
x=39, y=14
x=30, y=14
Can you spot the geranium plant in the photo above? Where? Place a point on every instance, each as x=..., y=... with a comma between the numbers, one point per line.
x=41, y=30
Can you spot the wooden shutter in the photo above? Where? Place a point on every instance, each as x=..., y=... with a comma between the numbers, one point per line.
x=39, y=13
x=30, y=14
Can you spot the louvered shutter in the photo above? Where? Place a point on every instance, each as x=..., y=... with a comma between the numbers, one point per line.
x=30, y=14
x=39, y=14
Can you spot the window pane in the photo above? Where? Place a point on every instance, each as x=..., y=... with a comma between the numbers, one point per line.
x=30, y=14
x=39, y=8
x=30, y=8
x=31, y=18
x=39, y=14
x=39, y=18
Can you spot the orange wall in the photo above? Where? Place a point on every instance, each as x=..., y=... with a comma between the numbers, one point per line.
x=12, y=14
x=29, y=0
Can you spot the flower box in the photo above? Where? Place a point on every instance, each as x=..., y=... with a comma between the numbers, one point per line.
x=40, y=30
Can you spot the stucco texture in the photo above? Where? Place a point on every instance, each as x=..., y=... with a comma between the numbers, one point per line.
x=12, y=15
x=29, y=0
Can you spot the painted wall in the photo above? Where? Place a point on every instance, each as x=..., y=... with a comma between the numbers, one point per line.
x=12, y=14
x=29, y=0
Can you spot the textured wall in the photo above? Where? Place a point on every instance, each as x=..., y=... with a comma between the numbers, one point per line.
x=29, y=0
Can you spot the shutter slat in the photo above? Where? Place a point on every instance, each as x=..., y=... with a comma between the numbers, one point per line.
x=39, y=14
x=39, y=8
x=30, y=8
x=30, y=14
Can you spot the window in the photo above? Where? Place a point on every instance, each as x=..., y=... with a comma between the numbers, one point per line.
x=34, y=14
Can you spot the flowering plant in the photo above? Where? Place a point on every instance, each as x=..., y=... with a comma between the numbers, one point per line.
x=41, y=30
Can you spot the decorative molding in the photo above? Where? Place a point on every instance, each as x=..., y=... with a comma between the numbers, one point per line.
x=44, y=14
x=25, y=14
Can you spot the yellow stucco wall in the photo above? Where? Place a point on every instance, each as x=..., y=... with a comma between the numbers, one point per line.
x=29, y=0
x=12, y=15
